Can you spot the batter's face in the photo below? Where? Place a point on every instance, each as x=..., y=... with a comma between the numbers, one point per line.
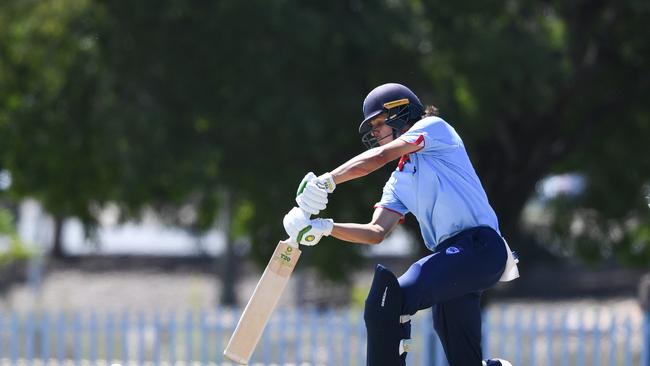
x=380, y=130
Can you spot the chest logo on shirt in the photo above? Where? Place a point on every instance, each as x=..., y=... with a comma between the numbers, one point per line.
x=452, y=250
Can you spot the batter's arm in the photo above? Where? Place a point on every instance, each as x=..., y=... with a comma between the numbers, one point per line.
x=383, y=222
x=371, y=160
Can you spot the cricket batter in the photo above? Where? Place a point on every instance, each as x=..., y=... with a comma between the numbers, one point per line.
x=435, y=181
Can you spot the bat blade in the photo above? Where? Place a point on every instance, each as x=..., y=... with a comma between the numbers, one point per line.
x=262, y=303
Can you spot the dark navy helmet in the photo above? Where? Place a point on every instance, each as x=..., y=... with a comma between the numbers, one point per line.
x=399, y=102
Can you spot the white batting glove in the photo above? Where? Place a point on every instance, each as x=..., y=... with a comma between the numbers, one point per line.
x=325, y=182
x=304, y=231
x=312, y=192
x=294, y=221
x=313, y=233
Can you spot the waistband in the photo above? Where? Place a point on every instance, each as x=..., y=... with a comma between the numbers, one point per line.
x=474, y=230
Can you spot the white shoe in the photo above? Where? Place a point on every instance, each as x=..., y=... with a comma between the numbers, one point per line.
x=496, y=362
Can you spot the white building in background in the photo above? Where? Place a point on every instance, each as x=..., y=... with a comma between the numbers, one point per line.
x=58, y=286
x=148, y=236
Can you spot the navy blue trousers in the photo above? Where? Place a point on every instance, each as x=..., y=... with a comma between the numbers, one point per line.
x=451, y=281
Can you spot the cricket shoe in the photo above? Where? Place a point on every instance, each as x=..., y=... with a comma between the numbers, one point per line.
x=496, y=362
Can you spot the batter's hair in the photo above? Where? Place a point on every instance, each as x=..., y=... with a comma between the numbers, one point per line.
x=431, y=110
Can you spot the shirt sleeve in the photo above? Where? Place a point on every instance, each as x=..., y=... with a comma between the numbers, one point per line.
x=432, y=134
x=390, y=201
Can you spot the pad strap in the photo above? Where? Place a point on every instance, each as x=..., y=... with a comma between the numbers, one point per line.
x=405, y=346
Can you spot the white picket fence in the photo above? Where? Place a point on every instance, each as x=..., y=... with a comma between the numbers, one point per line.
x=538, y=336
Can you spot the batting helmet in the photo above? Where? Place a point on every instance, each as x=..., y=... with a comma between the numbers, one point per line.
x=399, y=102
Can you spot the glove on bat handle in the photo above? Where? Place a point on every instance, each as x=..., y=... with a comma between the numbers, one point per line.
x=292, y=242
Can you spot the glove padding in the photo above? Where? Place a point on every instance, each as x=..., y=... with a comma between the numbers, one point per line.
x=312, y=192
x=326, y=182
x=304, y=231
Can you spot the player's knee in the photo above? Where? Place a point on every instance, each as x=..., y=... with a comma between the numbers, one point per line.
x=411, y=295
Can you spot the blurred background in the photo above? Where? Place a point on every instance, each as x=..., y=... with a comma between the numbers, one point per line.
x=149, y=149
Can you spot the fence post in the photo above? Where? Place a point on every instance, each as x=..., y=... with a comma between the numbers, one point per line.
x=646, y=337
x=644, y=300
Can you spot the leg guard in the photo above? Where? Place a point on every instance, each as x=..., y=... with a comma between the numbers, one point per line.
x=384, y=323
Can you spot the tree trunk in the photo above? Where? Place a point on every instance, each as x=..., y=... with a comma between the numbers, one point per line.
x=229, y=259
x=57, y=242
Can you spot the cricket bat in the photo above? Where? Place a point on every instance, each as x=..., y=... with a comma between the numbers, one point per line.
x=261, y=305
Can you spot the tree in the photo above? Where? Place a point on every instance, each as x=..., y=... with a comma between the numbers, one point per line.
x=51, y=107
x=548, y=87
x=165, y=104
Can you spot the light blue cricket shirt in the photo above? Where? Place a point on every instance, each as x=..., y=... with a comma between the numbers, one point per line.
x=438, y=184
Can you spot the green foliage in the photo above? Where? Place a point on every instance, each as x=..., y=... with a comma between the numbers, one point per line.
x=6, y=223
x=592, y=235
x=242, y=218
x=165, y=103
x=15, y=250
x=50, y=101
x=15, y=253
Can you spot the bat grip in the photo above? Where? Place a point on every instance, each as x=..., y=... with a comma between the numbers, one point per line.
x=292, y=242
